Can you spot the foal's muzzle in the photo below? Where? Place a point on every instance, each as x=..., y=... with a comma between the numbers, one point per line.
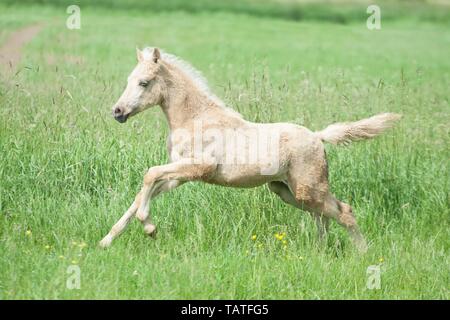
x=119, y=115
x=121, y=118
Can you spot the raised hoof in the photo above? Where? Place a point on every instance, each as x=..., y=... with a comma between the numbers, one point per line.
x=150, y=230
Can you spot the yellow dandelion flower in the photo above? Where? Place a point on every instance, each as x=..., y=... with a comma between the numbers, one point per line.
x=280, y=236
x=381, y=260
x=47, y=247
x=254, y=237
x=28, y=233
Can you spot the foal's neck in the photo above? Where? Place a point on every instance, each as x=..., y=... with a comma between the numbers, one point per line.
x=185, y=103
x=181, y=108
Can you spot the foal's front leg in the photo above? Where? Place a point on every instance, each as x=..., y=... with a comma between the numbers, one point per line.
x=157, y=180
x=162, y=187
x=120, y=225
x=164, y=178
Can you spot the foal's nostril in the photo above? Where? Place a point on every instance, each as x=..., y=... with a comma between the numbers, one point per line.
x=118, y=111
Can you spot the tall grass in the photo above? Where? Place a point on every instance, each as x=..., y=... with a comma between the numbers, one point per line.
x=68, y=170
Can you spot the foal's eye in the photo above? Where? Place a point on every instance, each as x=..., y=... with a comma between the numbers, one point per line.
x=144, y=83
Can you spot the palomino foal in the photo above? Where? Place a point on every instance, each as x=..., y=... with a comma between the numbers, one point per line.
x=296, y=169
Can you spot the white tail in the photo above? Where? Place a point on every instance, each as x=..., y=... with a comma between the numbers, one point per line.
x=346, y=132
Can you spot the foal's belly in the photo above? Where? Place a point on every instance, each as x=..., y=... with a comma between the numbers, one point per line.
x=243, y=176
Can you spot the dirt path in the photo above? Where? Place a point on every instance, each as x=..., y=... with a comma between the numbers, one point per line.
x=11, y=50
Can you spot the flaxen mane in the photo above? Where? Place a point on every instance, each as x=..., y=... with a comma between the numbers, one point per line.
x=196, y=76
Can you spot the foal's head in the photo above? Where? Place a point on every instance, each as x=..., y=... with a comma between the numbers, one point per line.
x=145, y=86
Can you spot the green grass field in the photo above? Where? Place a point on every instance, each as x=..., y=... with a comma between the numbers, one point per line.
x=68, y=170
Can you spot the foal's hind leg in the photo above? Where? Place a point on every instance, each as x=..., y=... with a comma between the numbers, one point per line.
x=346, y=218
x=282, y=190
x=325, y=204
x=308, y=180
x=343, y=214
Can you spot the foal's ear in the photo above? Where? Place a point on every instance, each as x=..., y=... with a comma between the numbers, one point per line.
x=156, y=55
x=139, y=55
